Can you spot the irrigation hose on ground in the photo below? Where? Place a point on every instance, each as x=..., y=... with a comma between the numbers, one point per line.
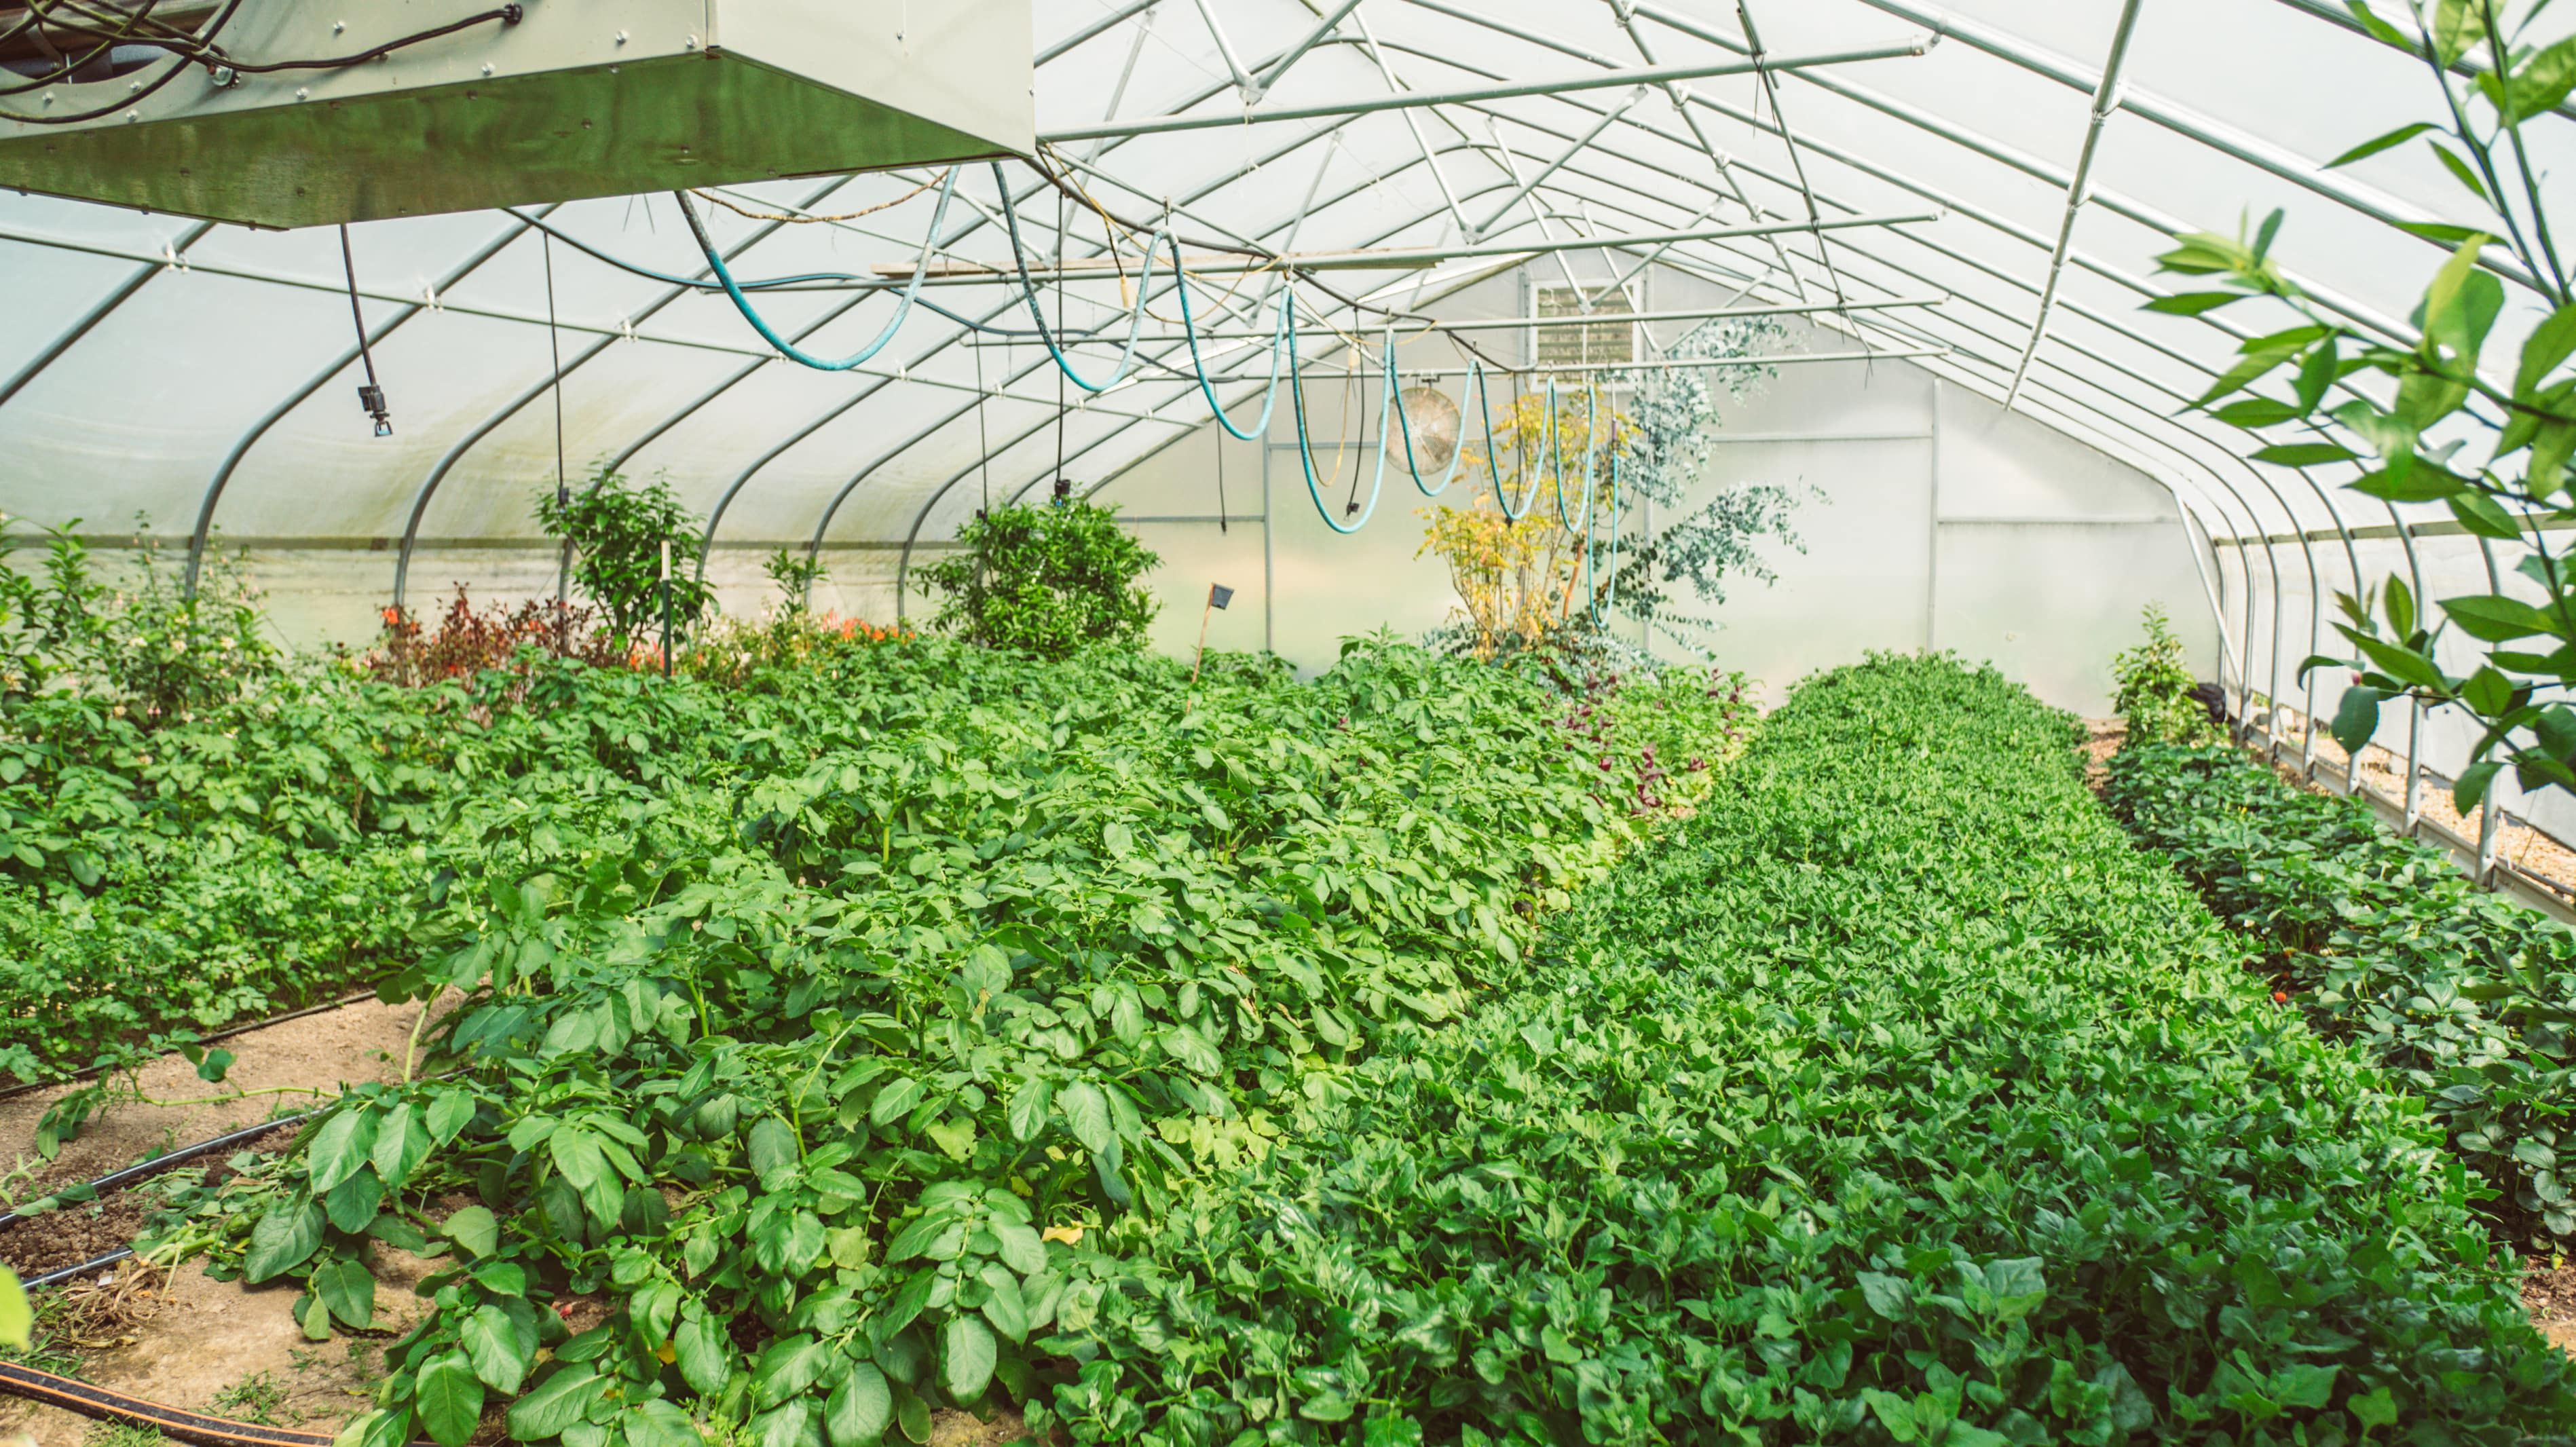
x=103, y=1405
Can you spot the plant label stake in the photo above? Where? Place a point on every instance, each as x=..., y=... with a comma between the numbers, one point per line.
x=1219, y=595
x=666, y=607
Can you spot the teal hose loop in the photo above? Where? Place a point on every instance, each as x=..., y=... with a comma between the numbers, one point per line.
x=760, y=324
x=1279, y=342
x=1529, y=495
x=1591, y=465
x=1306, y=449
x=1590, y=587
x=1135, y=317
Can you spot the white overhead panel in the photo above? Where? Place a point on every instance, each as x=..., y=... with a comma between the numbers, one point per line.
x=284, y=113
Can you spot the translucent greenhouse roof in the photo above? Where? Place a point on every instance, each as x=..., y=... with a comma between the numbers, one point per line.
x=1971, y=160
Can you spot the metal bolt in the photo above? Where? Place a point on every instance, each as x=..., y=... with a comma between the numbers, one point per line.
x=302, y=93
x=621, y=37
x=487, y=67
x=339, y=25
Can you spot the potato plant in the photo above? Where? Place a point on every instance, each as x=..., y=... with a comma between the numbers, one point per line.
x=2465, y=998
x=819, y=1030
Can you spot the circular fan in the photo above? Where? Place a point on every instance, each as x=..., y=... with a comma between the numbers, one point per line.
x=1432, y=421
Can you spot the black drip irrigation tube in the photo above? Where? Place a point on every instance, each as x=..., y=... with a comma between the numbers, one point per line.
x=103, y=1405
x=100, y=1404
x=119, y=1180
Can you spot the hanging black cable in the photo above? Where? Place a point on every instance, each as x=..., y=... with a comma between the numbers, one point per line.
x=1360, y=438
x=563, y=486
x=1063, y=489
x=370, y=396
x=983, y=437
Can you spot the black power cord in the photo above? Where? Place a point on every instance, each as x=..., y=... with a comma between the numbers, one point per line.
x=202, y=50
x=148, y=89
x=371, y=396
x=507, y=15
x=65, y=66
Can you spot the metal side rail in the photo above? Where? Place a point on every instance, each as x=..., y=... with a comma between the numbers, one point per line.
x=2506, y=877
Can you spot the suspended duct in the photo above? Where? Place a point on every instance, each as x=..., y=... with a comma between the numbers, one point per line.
x=283, y=113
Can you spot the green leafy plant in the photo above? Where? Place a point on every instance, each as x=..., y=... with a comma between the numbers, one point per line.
x=148, y=648
x=619, y=532
x=2507, y=482
x=795, y=577
x=2153, y=687
x=1672, y=421
x=2466, y=999
x=1044, y=580
x=1815, y=1126
x=819, y=1027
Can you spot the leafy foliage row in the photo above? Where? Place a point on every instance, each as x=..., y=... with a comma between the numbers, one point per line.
x=2465, y=998
x=1897, y=1100
x=819, y=1029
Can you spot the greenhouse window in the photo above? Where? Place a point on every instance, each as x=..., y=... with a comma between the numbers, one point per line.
x=1579, y=345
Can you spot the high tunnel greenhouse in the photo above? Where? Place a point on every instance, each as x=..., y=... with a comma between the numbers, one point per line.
x=1287, y=721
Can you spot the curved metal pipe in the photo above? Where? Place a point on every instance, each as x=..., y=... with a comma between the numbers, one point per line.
x=438, y=474
x=241, y=447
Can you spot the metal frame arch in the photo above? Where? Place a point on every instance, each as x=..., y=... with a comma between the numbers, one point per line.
x=2207, y=131
x=466, y=443
x=116, y=296
x=241, y=447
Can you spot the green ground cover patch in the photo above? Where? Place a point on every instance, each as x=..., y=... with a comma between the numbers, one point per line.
x=2466, y=998
x=1898, y=1099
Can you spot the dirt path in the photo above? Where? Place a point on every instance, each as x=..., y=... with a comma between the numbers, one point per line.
x=318, y=1053
x=191, y=1342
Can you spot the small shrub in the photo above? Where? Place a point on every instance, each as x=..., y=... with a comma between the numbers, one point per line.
x=2155, y=687
x=795, y=577
x=731, y=650
x=1044, y=581
x=617, y=530
x=150, y=648
x=468, y=640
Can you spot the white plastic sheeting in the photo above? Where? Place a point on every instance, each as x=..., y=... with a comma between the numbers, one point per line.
x=203, y=378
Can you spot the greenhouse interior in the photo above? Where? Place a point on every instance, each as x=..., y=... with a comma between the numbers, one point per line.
x=741, y=723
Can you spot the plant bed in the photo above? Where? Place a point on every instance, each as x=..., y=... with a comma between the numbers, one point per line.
x=819, y=1023
x=2460, y=995
x=1896, y=1099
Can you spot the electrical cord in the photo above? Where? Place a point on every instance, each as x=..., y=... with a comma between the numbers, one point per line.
x=715, y=199
x=202, y=50
x=65, y=68
x=136, y=97
x=507, y=15
x=751, y=314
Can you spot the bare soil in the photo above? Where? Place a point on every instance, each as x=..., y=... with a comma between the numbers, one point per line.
x=278, y=1069
x=2102, y=739
x=187, y=1340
